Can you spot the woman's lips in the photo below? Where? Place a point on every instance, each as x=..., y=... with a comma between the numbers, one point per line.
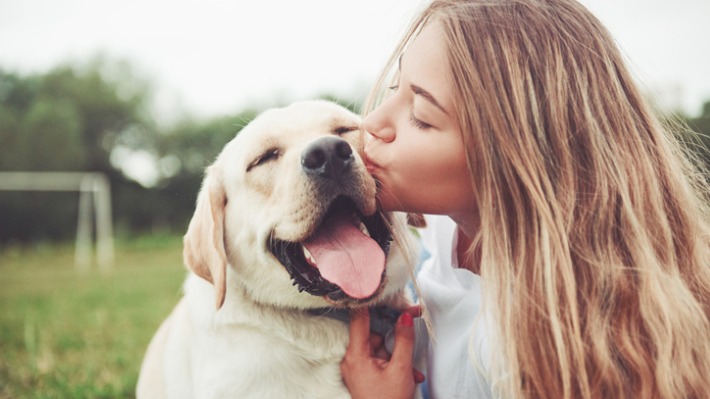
x=370, y=164
x=373, y=168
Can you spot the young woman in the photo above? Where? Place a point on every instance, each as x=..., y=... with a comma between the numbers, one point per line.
x=573, y=257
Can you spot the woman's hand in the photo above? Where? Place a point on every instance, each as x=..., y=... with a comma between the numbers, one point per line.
x=367, y=370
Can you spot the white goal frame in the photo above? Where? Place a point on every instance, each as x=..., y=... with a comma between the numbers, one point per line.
x=88, y=185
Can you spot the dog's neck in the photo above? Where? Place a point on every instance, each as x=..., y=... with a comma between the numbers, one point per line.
x=382, y=318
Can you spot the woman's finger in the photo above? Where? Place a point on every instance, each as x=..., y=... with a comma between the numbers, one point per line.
x=404, y=341
x=418, y=376
x=360, y=332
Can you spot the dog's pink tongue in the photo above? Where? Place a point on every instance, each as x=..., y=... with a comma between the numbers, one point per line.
x=346, y=257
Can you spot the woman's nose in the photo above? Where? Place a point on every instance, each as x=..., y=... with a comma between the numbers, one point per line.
x=378, y=125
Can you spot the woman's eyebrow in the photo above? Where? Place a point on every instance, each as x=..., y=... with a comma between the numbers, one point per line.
x=419, y=91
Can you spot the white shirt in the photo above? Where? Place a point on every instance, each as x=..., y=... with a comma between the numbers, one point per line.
x=453, y=298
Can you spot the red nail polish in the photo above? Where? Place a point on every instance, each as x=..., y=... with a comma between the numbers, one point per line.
x=406, y=319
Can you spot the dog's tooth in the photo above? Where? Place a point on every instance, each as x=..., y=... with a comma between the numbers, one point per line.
x=308, y=256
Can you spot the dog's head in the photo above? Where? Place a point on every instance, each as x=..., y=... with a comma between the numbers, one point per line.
x=290, y=206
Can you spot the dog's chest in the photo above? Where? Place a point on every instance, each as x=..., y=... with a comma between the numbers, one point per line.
x=260, y=363
x=246, y=350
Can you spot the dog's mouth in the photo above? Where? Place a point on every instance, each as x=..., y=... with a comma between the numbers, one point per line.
x=344, y=258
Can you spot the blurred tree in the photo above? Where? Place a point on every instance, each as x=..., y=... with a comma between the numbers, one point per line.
x=74, y=118
x=85, y=111
x=190, y=146
x=700, y=142
x=69, y=119
x=697, y=139
x=183, y=152
x=50, y=125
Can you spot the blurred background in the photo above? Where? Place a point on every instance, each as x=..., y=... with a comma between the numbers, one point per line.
x=147, y=93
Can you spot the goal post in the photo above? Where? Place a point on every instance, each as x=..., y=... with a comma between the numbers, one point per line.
x=91, y=186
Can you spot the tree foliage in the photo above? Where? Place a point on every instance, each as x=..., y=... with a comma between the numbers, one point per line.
x=698, y=140
x=78, y=118
x=68, y=119
x=82, y=111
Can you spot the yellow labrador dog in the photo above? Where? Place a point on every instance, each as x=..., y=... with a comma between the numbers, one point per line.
x=285, y=234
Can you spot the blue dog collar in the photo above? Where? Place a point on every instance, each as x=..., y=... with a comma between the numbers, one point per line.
x=382, y=318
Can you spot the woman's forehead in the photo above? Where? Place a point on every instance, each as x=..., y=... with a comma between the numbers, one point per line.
x=425, y=64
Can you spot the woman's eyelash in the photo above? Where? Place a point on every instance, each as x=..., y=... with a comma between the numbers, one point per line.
x=418, y=123
x=394, y=88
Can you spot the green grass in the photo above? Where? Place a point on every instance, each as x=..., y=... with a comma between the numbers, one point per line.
x=65, y=334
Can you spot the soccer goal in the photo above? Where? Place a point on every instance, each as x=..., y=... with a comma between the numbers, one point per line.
x=90, y=186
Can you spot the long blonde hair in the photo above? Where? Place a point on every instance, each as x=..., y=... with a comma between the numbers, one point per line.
x=595, y=229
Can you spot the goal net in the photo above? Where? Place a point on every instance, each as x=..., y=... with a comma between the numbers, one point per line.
x=92, y=187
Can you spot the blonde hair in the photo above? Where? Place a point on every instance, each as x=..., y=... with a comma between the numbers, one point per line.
x=595, y=231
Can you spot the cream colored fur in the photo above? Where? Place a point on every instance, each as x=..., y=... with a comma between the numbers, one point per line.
x=242, y=330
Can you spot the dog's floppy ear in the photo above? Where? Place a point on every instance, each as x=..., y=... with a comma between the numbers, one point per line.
x=203, y=244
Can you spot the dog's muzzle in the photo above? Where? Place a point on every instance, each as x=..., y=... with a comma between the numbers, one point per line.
x=343, y=257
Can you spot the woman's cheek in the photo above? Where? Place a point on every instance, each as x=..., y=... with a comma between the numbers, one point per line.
x=399, y=193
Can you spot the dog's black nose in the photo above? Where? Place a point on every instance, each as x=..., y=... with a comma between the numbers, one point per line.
x=327, y=157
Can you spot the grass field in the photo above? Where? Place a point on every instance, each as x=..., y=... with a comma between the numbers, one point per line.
x=65, y=334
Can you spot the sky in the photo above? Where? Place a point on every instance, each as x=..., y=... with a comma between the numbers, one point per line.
x=213, y=57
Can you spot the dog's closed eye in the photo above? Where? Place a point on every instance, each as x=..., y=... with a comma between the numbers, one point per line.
x=269, y=155
x=341, y=130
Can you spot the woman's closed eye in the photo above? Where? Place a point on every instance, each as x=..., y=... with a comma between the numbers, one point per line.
x=418, y=123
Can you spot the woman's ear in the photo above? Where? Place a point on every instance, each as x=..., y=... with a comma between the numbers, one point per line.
x=203, y=244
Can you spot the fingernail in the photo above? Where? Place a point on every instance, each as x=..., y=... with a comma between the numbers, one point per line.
x=419, y=377
x=406, y=319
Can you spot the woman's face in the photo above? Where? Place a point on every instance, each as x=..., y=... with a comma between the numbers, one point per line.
x=416, y=150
